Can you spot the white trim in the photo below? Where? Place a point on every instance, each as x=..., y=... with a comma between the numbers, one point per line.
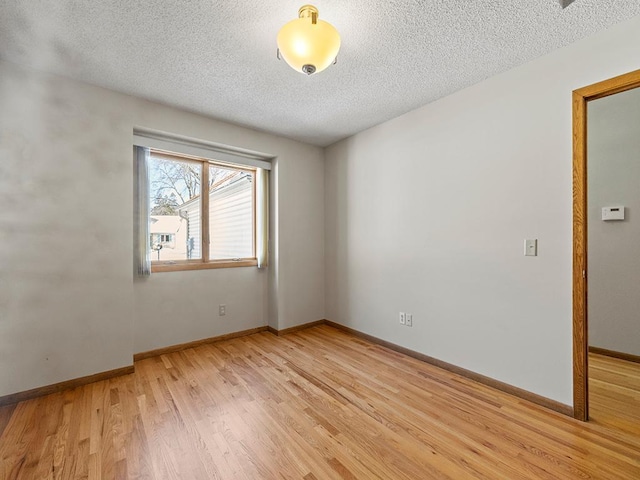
x=200, y=148
x=141, y=225
x=262, y=217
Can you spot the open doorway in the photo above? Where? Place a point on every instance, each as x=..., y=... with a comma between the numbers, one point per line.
x=613, y=259
x=581, y=98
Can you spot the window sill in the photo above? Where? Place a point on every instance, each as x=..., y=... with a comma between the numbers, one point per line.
x=184, y=266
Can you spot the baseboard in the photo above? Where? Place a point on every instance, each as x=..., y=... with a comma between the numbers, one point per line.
x=66, y=385
x=243, y=333
x=488, y=381
x=297, y=328
x=78, y=382
x=196, y=343
x=612, y=353
x=498, y=385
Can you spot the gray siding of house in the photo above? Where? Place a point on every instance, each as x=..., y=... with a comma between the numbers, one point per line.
x=193, y=227
x=231, y=221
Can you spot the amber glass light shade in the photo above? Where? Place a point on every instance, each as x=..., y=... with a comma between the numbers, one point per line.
x=307, y=44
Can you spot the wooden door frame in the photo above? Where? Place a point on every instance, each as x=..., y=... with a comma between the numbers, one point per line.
x=580, y=333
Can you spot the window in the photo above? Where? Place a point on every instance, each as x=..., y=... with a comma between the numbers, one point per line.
x=198, y=204
x=181, y=236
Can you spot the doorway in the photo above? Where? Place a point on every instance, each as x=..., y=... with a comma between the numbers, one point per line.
x=580, y=238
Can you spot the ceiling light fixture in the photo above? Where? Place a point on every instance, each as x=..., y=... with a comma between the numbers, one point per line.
x=307, y=44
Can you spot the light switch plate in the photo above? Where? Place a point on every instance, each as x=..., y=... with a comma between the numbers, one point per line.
x=531, y=247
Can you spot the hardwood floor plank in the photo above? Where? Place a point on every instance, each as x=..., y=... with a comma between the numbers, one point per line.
x=316, y=404
x=6, y=412
x=614, y=388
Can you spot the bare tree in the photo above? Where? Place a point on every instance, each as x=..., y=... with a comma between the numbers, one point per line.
x=174, y=183
x=175, y=178
x=165, y=205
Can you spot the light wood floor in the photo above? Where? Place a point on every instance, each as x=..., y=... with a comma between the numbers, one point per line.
x=614, y=394
x=318, y=404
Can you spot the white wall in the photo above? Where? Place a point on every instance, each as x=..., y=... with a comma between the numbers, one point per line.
x=69, y=305
x=613, y=158
x=427, y=214
x=300, y=288
x=65, y=230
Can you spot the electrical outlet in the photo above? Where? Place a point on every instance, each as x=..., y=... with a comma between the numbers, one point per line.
x=402, y=318
x=222, y=310
x=409, y=319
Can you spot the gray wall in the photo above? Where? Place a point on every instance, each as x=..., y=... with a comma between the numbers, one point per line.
x=427, y=214
x=69, y=304
x=614, y=246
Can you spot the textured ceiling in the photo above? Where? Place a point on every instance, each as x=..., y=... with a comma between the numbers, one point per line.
x=219, y=58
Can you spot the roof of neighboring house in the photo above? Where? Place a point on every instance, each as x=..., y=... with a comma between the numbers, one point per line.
x=165, y=223
x=222, y=184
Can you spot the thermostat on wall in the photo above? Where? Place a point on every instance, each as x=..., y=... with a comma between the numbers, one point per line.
x=613, y=213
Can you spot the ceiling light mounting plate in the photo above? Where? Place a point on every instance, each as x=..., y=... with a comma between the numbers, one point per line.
x=309, y=11
x=565, y=3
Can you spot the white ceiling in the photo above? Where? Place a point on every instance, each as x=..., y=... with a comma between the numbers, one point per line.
x=218, y=58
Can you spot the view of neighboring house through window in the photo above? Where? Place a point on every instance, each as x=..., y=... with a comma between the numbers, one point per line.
x=178, y=232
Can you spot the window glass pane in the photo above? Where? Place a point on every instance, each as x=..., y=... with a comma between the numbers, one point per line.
x=175, y=221
x=230, y=213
